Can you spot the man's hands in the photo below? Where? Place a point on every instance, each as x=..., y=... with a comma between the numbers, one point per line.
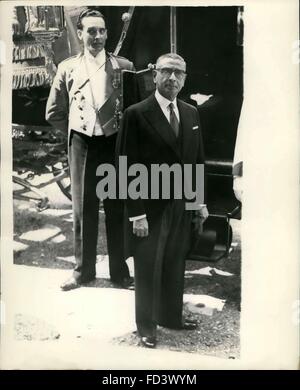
x=202, y=213
x=200, y=216
x=140, y=227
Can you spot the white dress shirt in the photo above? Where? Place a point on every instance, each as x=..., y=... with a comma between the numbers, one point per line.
x=95, y=67
x=164, y=105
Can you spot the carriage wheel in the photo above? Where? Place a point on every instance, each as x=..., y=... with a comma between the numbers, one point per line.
x=64, y=183
x=62, y=172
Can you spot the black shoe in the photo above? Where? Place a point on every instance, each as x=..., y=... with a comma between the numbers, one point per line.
x=126, y=282
x=189, y=325
x=148, y=341
x=73, y=283
x=185, y=325
x=70, y=284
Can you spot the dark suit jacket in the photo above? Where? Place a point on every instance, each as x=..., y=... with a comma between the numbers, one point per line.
x=146, y=137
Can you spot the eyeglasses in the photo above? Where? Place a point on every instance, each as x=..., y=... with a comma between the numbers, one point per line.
x=93, y=31
x=179, y=74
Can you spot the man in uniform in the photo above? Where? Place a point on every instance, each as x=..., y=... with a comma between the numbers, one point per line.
x=84, y=100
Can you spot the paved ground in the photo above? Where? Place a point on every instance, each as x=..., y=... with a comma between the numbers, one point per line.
x=93, y=327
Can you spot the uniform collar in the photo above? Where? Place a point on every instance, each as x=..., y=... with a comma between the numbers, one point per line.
x=99, y=59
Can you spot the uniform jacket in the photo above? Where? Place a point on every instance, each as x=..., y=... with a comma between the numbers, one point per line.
x=70, y=102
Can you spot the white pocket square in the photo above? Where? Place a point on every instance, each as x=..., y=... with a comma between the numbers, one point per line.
x=195, y=127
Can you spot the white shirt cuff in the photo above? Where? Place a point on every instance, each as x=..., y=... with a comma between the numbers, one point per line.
x=200, y=206
x=131, y=219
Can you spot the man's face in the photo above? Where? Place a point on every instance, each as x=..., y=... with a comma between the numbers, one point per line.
x=93, y=34
x=169, y=77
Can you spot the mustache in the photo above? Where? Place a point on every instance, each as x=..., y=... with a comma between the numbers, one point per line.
x=171, y=83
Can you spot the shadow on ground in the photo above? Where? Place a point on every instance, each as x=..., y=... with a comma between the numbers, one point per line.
x=48, y=253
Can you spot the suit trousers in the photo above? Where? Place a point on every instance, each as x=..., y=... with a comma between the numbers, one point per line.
x=159, y=264
x=85, y=155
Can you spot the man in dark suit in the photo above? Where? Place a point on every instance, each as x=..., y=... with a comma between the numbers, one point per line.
x=161, y=130
x=84, y=100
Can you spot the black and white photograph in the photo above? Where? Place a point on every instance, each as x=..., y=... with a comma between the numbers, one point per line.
x=149, y=195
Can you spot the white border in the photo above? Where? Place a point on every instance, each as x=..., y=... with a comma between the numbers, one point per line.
x=270, y=260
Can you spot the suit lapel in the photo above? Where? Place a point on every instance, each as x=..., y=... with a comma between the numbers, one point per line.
x=160, y=124
x=186, y=123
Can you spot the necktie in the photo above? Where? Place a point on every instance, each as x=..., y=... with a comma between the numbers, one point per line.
x=173, y=120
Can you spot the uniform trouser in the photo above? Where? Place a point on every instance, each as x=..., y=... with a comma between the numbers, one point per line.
x=159, y=264
x=85, y=155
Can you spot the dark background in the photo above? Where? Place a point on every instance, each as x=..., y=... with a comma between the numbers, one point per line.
x=207, y=37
